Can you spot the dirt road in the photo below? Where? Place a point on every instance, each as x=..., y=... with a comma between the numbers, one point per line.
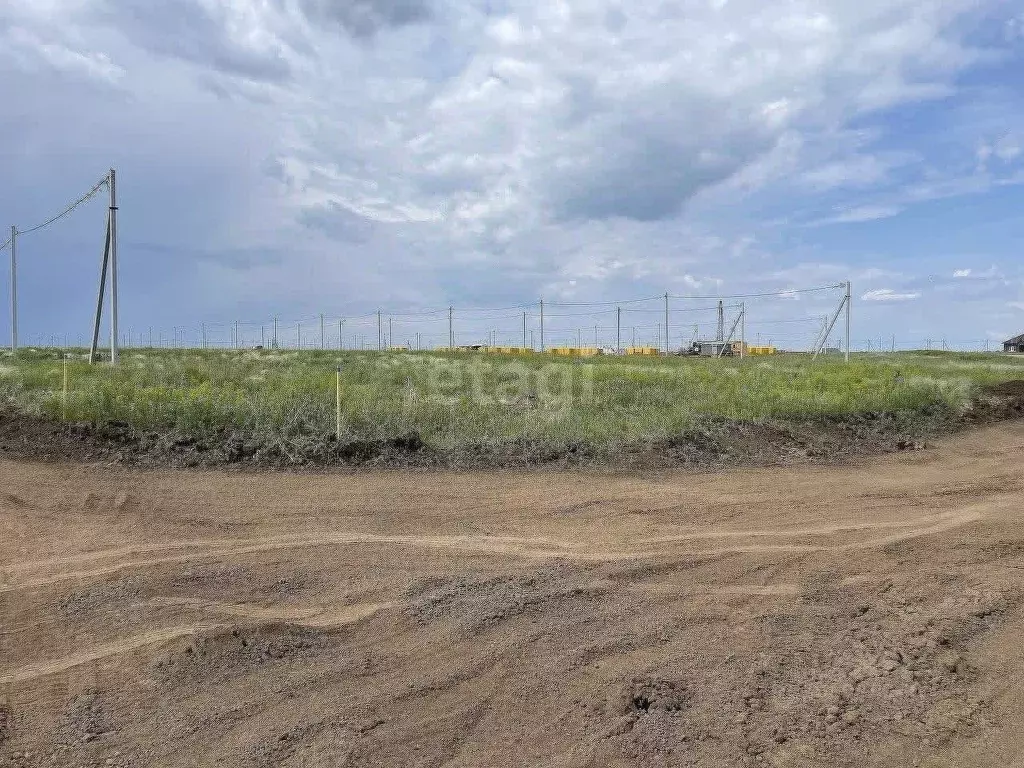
x=866, y=615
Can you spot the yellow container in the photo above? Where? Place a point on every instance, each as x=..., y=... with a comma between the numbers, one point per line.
x=575, y=351
x=642, y=351
x=508, y=350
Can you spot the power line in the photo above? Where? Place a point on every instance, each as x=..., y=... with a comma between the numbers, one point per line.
x=602, y=303
x=785, y=292
x=99, y=185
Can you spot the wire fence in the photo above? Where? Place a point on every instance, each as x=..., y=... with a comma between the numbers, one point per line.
x=188, y=339
x=667, y=322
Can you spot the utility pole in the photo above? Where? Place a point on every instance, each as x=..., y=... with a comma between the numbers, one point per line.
x=721, y=321
x=238, y=341
x=391, y=334
x=112, y=184
x=341, y=334
x=524, y=330
x=263, y=336
x=14, y=288
x=618, y=330
x=298, y=335
x=666, y=324
x=202, y=327
x=743, y=329
x=380, y=333
x=542, y=325
x=275, y=331
x=322, y=331
x=596, y=344
x=847, y=321
x=451, y=331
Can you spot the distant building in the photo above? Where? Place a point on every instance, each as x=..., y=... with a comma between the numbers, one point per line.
x=1016, y=344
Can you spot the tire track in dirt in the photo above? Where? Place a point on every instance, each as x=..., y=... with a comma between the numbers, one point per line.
x=531, y=548
x=100, y=652
x=782, y=589
x=315, y=619
x=320, y=616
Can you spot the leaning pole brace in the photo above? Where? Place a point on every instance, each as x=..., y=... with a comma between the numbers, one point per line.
x=843, y=302
x=728, y=339
x=99, y=298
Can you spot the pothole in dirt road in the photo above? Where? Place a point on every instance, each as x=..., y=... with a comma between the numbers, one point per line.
x=647, y=694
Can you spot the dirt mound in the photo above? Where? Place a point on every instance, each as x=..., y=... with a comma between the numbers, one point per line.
x=712, y=443
x=219, y=654
x=857, y=666
x=998, y=401
x=88, y=600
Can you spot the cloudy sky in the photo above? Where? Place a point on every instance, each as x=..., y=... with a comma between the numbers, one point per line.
x=297, y=157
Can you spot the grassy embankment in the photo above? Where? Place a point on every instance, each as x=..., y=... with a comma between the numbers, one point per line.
x=452, y=399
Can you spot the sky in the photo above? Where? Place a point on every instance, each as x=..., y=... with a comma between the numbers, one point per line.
x=296, y=157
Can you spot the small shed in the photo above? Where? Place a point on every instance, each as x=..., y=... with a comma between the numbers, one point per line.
x=1016, y=344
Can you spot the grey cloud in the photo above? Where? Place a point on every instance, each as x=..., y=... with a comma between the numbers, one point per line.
x=338, y=222
x=650, y=164
x=364, y=18
x=187, y=30
x=646, y=180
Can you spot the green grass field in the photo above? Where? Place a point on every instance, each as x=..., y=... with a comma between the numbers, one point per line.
x=452, y=399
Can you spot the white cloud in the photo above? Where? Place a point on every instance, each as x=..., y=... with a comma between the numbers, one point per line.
x=874, y=273
x=29, y=50
x=863, y=213
x=887, y=294
x=993, y=272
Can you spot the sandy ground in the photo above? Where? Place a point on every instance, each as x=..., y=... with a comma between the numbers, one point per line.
x=865, y=615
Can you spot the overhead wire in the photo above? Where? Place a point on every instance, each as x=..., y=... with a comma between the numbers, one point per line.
x=84, y=198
